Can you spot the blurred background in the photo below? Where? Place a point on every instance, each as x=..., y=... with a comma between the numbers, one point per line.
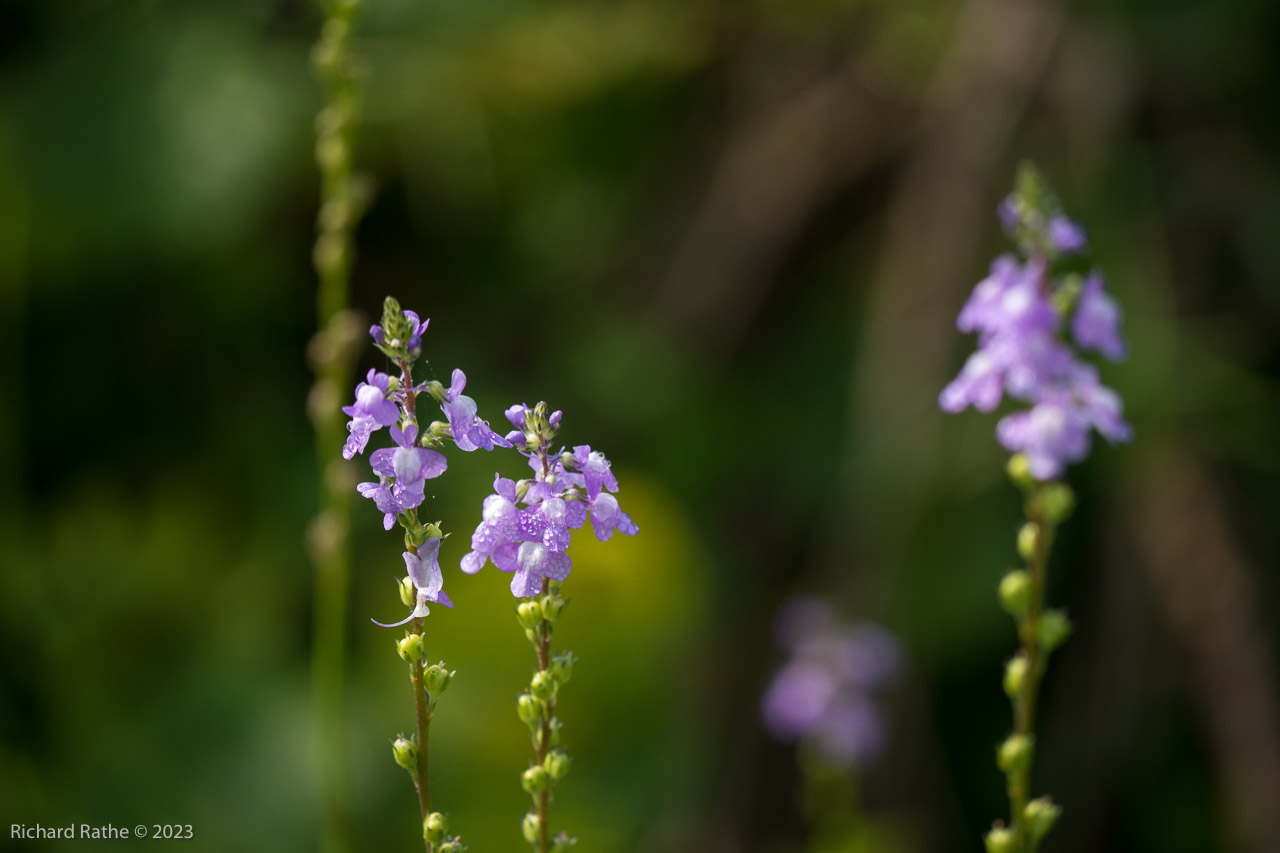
x=729, y=240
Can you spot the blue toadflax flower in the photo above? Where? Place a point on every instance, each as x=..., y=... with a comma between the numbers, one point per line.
x=1019, y=312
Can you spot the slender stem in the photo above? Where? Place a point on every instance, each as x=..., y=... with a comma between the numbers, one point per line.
x=544, y=742
x=333, y=355
x=1025, y=706
x=423, y=716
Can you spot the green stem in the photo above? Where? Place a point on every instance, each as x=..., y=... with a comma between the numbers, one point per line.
x=544, y=742
x=332, y=355
x=423, y=717
x=1025, y=704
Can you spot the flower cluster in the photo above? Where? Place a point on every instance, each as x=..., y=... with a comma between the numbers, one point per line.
x=1019, y=312
x=824, y=695
x=403, y=470
x=526, y=526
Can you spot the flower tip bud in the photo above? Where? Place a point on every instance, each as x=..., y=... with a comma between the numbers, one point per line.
x=436, y=389
x=405, y=752
x=408, y=592
x=1015, y=592
x=436, y=678
x=1015, y=753
x=435, y=827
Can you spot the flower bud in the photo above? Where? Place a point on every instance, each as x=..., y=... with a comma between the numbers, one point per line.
x=1015, y=753
x=529, y=613
x=552, y=606
x=435, y=679
x=1015, y=675
x=405, y=752
x=410, y=648
x=436, y=389
x=1040, y=815
x=1015, y=592
x=1057, y=501
x=1001, y=840
x=562, y=666
x=534, y=780
x=568, y=460
x=543, y=685
x=529, y=827
x=408, y=592
x=1028, y=539
x=556, y=764
x=555, y=726
x=435, y=827
x=1052, y=630
x=528, y=709
x=1020, y=471
x=454, y=846
x=561, y=842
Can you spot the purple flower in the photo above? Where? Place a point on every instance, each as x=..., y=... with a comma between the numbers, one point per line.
x=424, y=572
x=824, y=694
x=1021, y=352
x=469, y=431
x=403, y=472
x=1096, y=323
x=371, y=411
x=526, y=528
x=1065, y=236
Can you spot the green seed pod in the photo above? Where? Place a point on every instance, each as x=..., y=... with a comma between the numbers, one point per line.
x=543, y=685
x=1052, y=630
x=405, y=752
x=1001, y=840
x=435, y=679
x=1028, y=539
x=1015, y=674
x=529, y=613
x=1020, y=471
x=535, y=779
x=562, y=666
x=1015, y=753
x=530, y=826
x=435, y=827
x=557, y=764
x=1041, y=814
x=408, y=593
x=528, y=709
x=410, y=648
x=1015, y=592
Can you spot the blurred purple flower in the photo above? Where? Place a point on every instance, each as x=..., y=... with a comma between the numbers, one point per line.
x=823, y=695
x=1021, y=352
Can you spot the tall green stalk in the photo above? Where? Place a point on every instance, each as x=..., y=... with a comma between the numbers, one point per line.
x=332, y=355
x=1040, y=631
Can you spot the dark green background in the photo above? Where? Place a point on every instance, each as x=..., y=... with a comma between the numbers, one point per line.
x=729, y=240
